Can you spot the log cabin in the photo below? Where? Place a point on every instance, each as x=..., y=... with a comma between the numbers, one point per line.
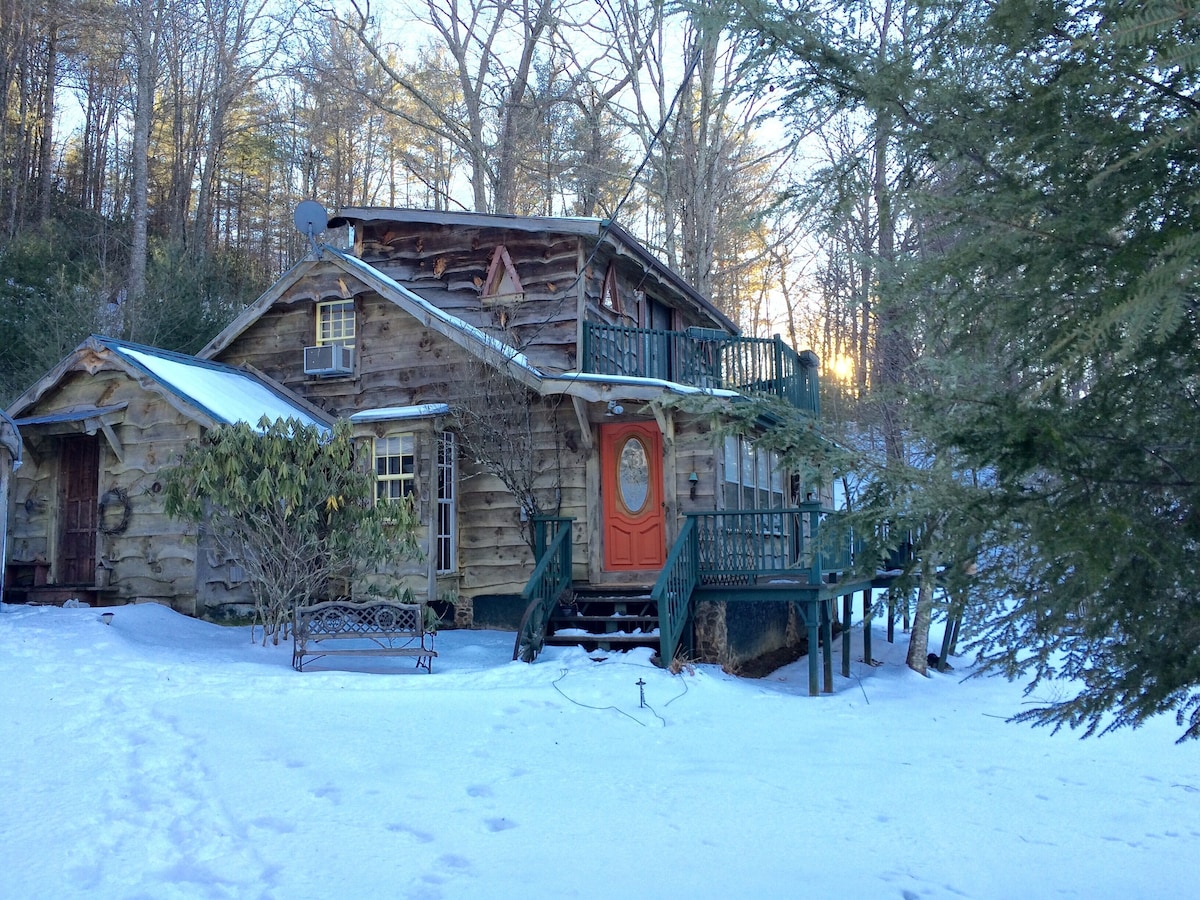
x=518, y=377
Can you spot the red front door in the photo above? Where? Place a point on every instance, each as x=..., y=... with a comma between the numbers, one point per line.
x=79, y=478
x=632, y=492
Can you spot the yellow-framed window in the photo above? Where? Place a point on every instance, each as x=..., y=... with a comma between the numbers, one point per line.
x=395, y=467
x=335, y=322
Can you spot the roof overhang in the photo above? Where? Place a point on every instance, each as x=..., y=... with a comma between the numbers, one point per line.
x=78, y=420
x=145, y=366
x=401, y=413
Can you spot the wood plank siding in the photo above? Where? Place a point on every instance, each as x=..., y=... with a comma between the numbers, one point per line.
x=402, y=363
x=447, y=265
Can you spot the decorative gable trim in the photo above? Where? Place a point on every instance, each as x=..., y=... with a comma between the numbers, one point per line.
x=502, y=285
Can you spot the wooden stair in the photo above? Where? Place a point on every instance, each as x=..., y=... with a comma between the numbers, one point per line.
x=604, y=619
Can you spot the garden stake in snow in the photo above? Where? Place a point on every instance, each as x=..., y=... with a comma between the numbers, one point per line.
x=641, y=693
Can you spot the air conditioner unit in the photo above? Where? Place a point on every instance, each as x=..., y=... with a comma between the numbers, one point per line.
x=329, y=359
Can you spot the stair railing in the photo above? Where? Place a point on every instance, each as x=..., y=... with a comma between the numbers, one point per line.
x=550, y=579
x=673, y=591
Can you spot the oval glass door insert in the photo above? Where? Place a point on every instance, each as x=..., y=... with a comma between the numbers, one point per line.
x=633, y=475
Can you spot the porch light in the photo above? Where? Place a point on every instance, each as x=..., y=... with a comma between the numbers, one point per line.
x=693, y=480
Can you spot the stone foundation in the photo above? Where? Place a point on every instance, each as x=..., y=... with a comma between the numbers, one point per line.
x=711, y=633
x=464, y=612
x=731, y=634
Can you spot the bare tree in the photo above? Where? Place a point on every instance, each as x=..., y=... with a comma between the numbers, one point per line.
x=245, y=39
x=498, y=420
x=480, y=38
x=147, y=23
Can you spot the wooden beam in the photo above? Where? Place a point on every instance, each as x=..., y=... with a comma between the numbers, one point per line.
x=827, y=643
x=585, y=424
x=812, y=621
x=113, y=441
x=847, y=613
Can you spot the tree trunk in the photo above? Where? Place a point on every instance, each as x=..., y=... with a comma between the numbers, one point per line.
x=46, y=160
x=889, y=352
x=146, y=28
x=918, y=641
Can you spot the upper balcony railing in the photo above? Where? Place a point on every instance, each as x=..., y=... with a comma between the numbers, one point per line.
x=706, y=358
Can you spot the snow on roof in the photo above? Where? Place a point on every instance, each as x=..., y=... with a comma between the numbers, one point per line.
x=638, y=381
x=508, y=352
x=227, y=394
x=391, y=413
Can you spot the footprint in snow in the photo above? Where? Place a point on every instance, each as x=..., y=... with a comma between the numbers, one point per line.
x=400, y=828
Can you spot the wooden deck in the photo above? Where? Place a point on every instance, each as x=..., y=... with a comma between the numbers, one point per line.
x=774, y=556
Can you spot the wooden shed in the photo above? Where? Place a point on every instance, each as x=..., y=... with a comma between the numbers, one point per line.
x=86, y=519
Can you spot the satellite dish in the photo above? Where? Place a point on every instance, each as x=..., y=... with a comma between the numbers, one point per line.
x=311, y=219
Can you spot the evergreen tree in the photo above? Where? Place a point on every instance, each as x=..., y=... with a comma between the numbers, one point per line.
x=292, y=505
x=1067, y=305
x=1049, y=289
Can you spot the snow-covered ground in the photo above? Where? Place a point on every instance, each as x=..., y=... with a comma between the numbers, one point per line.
x=163, y=757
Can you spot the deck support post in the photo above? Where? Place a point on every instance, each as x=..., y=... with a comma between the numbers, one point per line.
x=891, y=605
x=867, y=626
x=847, y=613
x=812, y=623
x=827, y=643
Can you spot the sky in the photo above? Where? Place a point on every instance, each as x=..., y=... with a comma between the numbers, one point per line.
x=164, y=757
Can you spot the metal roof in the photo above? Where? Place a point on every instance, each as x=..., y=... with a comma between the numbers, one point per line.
x=222, y=392
x=79, y=414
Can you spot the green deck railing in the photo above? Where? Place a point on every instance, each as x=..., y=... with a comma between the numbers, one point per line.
x=733, y=548
x=673, y=591
x=741, y=546
x=551, y=577
x=704, y=357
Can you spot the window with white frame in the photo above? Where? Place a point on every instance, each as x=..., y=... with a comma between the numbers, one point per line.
x=447, y=479
x=755, y=481
x=335, y=323
x=753, y=476
x=395, y=467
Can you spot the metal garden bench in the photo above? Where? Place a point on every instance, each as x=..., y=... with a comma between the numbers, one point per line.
x=376, y=628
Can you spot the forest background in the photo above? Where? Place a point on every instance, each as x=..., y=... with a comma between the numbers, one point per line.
x=153, y=151
x=982, y=215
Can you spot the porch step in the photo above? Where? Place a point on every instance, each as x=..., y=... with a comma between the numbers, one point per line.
x=601, y=618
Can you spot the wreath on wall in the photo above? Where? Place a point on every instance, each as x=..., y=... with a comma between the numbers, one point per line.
x=112, y=498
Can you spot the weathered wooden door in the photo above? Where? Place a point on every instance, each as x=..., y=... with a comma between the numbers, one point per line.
x=632, y=492
x=79, y=480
